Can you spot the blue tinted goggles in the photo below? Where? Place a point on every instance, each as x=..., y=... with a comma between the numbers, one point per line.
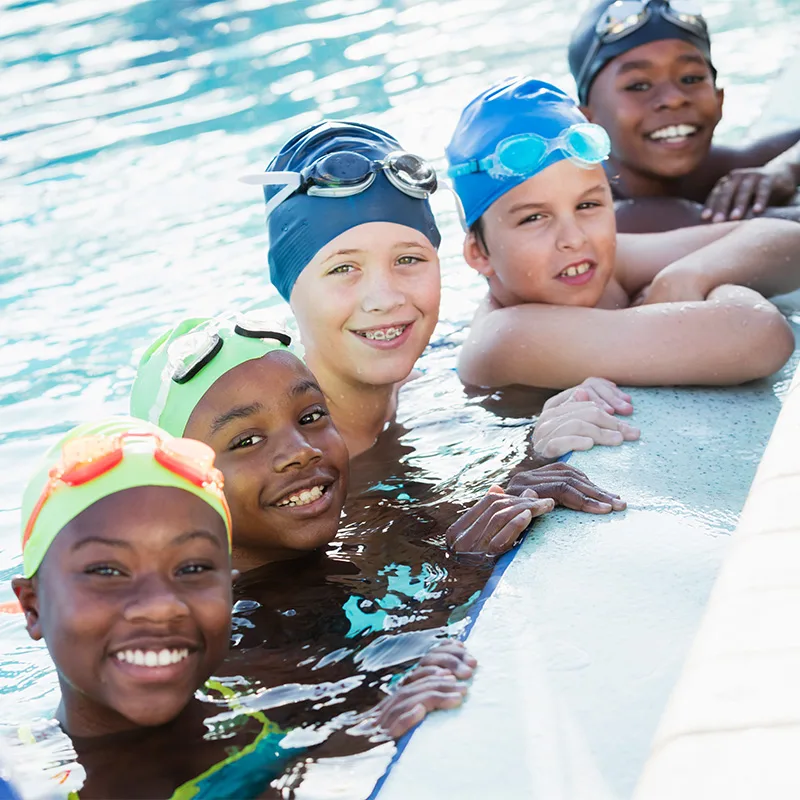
x=585, y=144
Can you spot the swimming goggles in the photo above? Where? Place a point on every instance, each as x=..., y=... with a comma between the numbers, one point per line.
x=624, y=17
x=584, y=143
x=87, y=458
x=188, y=354
x=344, y=173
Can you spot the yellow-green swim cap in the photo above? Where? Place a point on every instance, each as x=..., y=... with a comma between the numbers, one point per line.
x=118, y=453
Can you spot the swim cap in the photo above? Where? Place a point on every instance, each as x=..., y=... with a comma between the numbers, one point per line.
x=303, y=224
x=514, y=106
x=156, y=397
x=656, y=28
x=138, y=467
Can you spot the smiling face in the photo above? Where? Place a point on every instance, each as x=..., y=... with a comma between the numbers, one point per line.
x=284, y=462
x=368, y=303
x=660, y=107
x=552, y=239
x=134, y=602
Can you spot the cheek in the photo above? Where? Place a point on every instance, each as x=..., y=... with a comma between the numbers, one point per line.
x=241, y=489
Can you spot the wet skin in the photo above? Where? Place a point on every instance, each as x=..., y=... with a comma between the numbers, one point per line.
x=649, y=88
x=269, y=426
x=561, y=218
x=146, y=569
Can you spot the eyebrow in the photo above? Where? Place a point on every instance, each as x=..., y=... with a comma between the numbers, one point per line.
x=525, y=207
x=347, y=252
x=630, y=66
x=191, y=535
x=101, y=540
x=237, y=412
x=303, y=387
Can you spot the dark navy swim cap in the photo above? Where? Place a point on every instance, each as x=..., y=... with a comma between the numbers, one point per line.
x=657, y=28
x=515, y=106
x=303, y=224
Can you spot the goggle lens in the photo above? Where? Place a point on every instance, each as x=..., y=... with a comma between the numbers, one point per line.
x=521, y=155
x=340, y=169
x=588, y=143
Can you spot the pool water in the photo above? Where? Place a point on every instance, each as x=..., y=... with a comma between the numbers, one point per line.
x=124, y=127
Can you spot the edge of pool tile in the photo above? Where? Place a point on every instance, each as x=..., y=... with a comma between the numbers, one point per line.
x=732, y=725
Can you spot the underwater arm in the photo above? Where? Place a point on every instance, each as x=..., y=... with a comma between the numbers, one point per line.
x=732, y=337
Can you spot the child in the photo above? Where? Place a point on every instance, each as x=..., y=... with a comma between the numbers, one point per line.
x=568, y=297
x=286, y=465
x=126, y=576
x=353, y=249
x=644, y=73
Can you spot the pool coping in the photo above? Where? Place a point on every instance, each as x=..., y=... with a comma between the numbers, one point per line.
x=732, y=725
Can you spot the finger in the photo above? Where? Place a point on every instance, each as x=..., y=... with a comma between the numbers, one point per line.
x=744, y=195
x=448, y=661
x=530, y=493
x=456, y=648
x=580, y=395
x=566, y=444
x=468, y=517
x=586, y=488
x=763, y=192
x=601, y=429
x=400, y=719
x=402, y=724
x=481, y=532
x=721, y=202
x=495, y=489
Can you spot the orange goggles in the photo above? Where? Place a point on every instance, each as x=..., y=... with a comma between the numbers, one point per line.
x=87, y=458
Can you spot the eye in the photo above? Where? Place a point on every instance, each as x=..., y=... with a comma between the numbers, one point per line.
x=409, y=260
x=692, y=79
x=587, y=204
x=246, y=440
x=341, y=269
x=313, y=416
x=103, y=570
x=638, y=86
x=194, y=569
x=532, y=218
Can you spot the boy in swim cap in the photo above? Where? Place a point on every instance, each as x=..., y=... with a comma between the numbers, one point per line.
x=353, y=250
x=126, y=573
x=237, y=387
x=567, y=296
x=644, y=72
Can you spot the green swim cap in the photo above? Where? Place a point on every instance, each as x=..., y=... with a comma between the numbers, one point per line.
x=138, y=467
x=158, y=397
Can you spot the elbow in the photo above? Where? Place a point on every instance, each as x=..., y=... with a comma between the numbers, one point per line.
x=772, y=343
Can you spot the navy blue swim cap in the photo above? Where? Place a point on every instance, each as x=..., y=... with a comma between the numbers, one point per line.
x=656, y=28
x=515, y=106
x=303, y=224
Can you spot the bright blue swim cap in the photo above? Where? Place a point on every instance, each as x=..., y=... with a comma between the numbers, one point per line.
x=303, y=224
x=515, y=106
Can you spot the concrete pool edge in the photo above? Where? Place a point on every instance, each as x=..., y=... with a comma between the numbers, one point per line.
x=732, y=725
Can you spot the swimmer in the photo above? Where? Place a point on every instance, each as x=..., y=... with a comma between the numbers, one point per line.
x=644, y=73
x=567, y=297
x=353, y=250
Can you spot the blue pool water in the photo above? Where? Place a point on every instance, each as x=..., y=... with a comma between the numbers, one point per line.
x=124, y=125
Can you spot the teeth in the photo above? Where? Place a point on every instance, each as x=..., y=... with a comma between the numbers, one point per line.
x=384, y=334
x=302, y=498
x=674, y=132
x=571, y=272
x=151, y=658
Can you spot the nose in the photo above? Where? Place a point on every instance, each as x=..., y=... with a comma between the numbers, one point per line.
x=155, y=600
x=294, y=451
x=670, y=96
x=570, y=235
x=382, y=292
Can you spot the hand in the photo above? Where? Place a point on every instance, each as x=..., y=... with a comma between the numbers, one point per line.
x=678, y=285
x=603, y=393
x=749, y=190
x=495, y=523
x=568, y=486
x=433, y=684
x=579, y=425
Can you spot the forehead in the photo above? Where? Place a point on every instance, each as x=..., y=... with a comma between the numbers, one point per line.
x=269, y=380
x=664, y=52
x=373, y=236
x=562, y=179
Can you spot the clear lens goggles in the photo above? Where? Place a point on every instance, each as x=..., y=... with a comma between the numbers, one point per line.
x=344, y=174
x=585, y=143
x=188, y=354
x=624, y=17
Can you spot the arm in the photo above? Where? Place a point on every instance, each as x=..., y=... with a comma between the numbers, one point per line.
x=743, y=338
x=655, y=214
x=763, y=254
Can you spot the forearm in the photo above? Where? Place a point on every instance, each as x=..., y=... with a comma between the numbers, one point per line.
x=762, y=254
x=789, y=158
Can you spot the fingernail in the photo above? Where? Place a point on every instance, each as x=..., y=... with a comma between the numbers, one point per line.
x=706, y=214
x=736, y=213
x=620, y=505
x=719, y=218
x=529, y=493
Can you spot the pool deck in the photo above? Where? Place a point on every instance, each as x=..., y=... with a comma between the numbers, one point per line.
x=732, y=726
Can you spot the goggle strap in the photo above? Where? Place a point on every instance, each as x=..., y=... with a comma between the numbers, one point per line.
x=160, y=403
x=289, y=182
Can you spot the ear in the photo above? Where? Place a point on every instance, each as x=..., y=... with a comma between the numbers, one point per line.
x=720, y=99
x=476, y=257
x=26, y=591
